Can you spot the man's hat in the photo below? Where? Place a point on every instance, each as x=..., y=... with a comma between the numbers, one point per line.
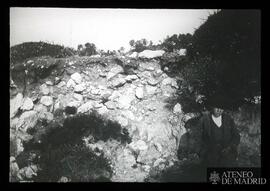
x=218, y=101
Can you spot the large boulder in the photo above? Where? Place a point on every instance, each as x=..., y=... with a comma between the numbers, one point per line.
x=151, y=53
x=15, y=104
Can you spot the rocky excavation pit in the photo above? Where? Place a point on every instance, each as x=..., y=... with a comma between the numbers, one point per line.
x=96, y=119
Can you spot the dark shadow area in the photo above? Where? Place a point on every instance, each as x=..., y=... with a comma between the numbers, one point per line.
x=188, y=168
x=174, y=64
x=186, y=99
x=59, y=151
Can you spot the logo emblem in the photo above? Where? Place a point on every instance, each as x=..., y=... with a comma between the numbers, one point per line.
x=214, y=177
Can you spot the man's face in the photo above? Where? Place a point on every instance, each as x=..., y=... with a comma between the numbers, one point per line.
x=217, y=111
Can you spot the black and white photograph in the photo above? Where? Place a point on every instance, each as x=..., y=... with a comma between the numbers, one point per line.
x=134, y=95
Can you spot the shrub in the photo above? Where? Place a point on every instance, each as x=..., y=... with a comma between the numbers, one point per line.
x=140, y=45
x=63, y=152
x=21, y=52
x=88, y=49
x=176, y=42
x=225, y=55
x=76, y=162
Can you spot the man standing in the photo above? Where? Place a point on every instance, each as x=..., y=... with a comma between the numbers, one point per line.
x=220, y=137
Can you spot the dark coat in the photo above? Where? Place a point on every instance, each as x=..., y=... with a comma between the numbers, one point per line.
x=211, y=149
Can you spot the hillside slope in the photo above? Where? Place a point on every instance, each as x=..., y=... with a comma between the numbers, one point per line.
x=133, y=92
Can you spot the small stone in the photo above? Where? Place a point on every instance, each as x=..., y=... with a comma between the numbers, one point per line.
x=174, y=84
x=138, y=145
x=12, y=159
x=167, y=81
x=44, y=89
x=85, y=107
x=114, y=95
x=56, y=80
x=182, y=52
x=63, y=179
x=139, y=93
x=110, y=104
x=166, y=68
x=103, y=75
x=98, y=105
x=95, y=92
x=150, y=89
x=122, y=121
x=114, y=71
x=46, y=100
x=15, y=104
x=71, y=83
x=61, y=84
x=102, y=110
x=79, y=88
x=150, y=68
x=158, y=147
x=146, y=168
x=71, y=63
x=76, y=77
x=177, y=108
x=118, y=82
x=151, y=108
x=14, y=168
x=128, y=114
x=49, y=83
x=78, y=97
x=40, y=108
x=47, y=116
x=27, y=104
x=152, y=82
x=158, y=161
x=124, y=101
x=27, y=172
x=158, y=72
x=75, y=104
x=130, y=78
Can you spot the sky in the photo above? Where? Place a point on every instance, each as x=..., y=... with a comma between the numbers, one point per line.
x=108, y=29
